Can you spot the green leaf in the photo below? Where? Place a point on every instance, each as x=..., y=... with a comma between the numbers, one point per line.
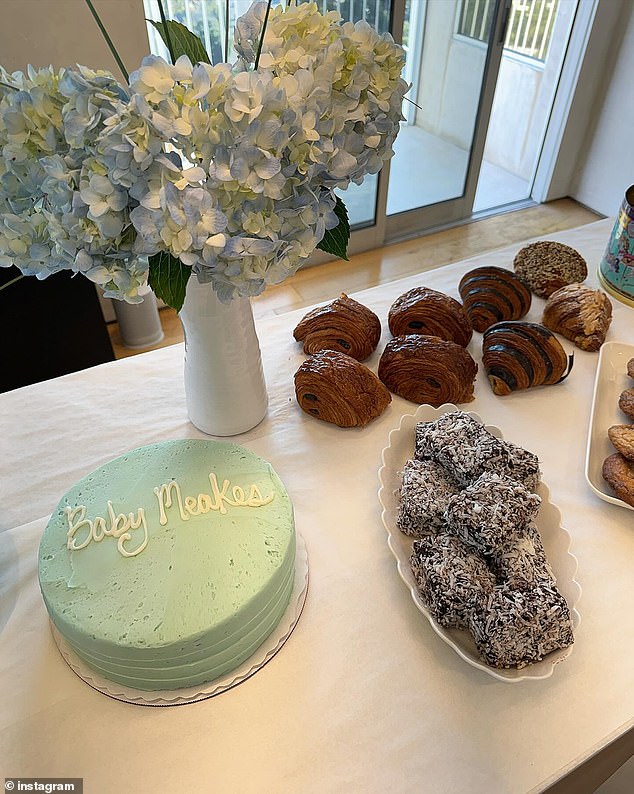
x=183, y=41
x=168, y=279
x=335, y=240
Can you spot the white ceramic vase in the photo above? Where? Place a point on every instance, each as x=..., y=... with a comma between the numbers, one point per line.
x=224, y=382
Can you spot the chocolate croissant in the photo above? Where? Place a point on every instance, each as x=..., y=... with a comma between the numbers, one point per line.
x=581, y=314
x=338, y=389
x=344, y=325
x=492, y=294
x=518, y=355
x=427, y=369
x=425, y=311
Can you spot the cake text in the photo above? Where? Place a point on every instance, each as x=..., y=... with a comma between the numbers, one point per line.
x=114, y=526
x=203, y=503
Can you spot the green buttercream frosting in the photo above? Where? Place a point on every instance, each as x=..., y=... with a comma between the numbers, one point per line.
x=169, y=566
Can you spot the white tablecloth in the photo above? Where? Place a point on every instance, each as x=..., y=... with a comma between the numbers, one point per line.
x=364, y=697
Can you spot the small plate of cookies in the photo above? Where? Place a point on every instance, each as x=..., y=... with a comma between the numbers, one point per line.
x=610, y=450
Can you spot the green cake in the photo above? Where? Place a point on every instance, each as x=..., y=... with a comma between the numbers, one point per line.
x=169, y=566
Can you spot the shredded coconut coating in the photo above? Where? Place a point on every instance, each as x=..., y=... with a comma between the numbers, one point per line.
x=451, y=579
x=426, y=489
x=521, y=561
x=491, y=512
x=466, y=449
x=513, y=628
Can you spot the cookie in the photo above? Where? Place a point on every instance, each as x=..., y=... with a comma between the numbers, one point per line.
x=546, y=266
x=618, y=472
x=630, y=368
x=626, y=402
x=622, y=438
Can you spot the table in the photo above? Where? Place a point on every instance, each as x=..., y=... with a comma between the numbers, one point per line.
x=364, y=697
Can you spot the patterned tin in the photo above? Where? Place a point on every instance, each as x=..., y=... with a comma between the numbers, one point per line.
x=616, y=271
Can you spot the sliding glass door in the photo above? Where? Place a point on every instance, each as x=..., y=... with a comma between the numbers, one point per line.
x=454, y=49
x=453, y=52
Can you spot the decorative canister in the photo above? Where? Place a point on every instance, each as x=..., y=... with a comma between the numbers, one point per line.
x=616, y=271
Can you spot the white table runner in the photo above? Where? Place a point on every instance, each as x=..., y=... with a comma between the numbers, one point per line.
x=364, y=697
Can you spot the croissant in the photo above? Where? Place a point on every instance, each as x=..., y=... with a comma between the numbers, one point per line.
x=425, y=311
x=491, y=294
x=518, y=355
x=427, y=369
x=338, y=389
x=343, y=325
x=581, y=314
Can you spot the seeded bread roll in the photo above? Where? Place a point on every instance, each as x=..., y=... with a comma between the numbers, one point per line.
x=580, y=314
x=343, y=325
x=492, y=294
x=425, y=311
x=336, y=388
x=426, y=369
x=547, y=266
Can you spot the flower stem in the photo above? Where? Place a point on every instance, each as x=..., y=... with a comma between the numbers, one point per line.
x=227, y=31
x=168, y=38
x=8, y=85
x=13, y=280
x=261, y=42
x=104, y=32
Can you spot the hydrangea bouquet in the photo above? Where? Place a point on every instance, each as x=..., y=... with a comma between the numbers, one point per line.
x=226, y=171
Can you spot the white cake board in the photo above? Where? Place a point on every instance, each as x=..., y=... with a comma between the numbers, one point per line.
x=179, y=697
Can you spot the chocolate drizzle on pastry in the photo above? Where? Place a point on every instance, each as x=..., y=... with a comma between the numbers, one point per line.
x=426, y=369
x=425, y=311
x=336, y=388
x=492, y=294
x=519, y=355
x=580, y=314
x=343, y=325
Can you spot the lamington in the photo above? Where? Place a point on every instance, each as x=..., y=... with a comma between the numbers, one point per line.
x=521, y=561
x=424, y=494
x=514, y=628
x=466, y=449
x=491, y=511
x=450, y=577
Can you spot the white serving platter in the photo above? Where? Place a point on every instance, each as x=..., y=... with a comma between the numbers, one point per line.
x=611, y=379
x=556, y=539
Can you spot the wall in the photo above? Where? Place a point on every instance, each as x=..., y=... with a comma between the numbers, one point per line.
x=63, y=32
x=605, y=168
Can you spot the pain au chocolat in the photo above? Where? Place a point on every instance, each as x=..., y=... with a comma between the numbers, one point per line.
x=491, y=294
x=431, y=313
x=519, y=355
x=336, y=388
x=580, y=314
x=426, y=369
x=343, y=325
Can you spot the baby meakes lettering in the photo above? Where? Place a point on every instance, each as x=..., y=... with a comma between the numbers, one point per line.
x=82, y=531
